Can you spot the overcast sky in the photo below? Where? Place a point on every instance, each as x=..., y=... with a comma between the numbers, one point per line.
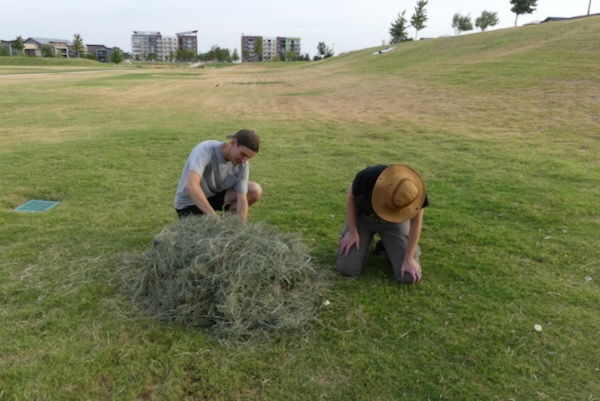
x=344, y=25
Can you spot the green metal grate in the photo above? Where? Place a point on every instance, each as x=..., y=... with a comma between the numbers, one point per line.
x=36, y=206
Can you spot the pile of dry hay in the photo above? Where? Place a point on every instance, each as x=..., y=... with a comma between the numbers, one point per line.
x=241, y=280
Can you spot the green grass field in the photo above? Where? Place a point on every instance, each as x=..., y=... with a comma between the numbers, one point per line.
x=504, y=127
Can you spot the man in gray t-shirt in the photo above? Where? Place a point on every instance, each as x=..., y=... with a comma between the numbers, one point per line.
x=216, y=177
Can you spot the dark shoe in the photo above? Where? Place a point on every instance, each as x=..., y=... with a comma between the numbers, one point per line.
x=379, y=248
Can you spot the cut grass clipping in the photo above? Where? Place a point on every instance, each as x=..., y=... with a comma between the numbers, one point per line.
x=239, y=280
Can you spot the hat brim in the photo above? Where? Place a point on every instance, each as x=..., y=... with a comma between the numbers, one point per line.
x=389, y=178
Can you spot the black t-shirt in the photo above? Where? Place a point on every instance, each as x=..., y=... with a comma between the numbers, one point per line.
x=362, y=188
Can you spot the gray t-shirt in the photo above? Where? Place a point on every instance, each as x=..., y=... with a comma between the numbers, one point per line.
x=217, y=174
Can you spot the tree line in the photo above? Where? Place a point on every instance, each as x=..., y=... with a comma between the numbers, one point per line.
x=461, y=23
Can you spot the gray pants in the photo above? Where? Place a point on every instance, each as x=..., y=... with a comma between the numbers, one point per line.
x=394, y=237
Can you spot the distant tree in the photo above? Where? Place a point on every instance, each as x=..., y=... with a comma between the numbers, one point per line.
x=151, y=57
x=461, y=23
x=47, y=51
x=291, y=56
x=398, y=29
x=218, y=54
x=419, y=18
x=116, y=56
x=522, y=7
x=4, y=51
x=224, y=55
x=77, y=45
x=258, y=49
x=183, y=55
x=19, y=44
x=486, y=19
x=235, y=57
x=323, y=51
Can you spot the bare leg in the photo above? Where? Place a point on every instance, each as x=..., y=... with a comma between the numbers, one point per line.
x=255, y=192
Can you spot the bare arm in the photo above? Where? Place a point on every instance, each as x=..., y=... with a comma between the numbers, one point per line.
x=193, y=188
x=409, y=264
x=351, y=237
x=241, y=205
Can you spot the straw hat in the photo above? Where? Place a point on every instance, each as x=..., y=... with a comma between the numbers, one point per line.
x=398, y=194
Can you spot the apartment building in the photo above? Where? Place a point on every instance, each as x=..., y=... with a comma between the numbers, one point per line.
x=46, y=47
x=144, y=43
x=164, y=47
x=100, y=52
x=169, y=48
x=269, y=49
x=251, y=51
x=257, y=48
x=58, y=47
x=288, y=45
x=187, y=41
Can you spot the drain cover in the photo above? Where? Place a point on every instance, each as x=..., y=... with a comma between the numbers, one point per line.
x=36, y=206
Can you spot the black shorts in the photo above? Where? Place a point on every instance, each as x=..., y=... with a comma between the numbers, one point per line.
x=217, y=202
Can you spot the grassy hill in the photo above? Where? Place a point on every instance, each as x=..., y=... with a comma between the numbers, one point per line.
x=46, y=61
x=503, y=126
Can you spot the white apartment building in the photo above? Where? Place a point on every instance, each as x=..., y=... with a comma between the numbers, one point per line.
x=169, y=47
x=269, y=49
x=144, y=43
x=164, y=47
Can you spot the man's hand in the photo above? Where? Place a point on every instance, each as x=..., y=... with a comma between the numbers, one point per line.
x=410, y=272
x=349, y=239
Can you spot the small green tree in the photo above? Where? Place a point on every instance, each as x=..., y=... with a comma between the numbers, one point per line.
x=419, y=18
x=461, y=23
x=77, y=45
x=291, y=56
x=47, y=51
x=398, y=29
x=235, y=57
x=258, y=49
x=486, y=19
x=19, y=44
x=183, y=55
x=116, y=56
x=152, y=57
x=218, y=54
x=323, y=51
x=224, y=56
x=522, y=7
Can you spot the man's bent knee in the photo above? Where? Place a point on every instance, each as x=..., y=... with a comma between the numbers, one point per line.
x=348, y=268
x=255, y=192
